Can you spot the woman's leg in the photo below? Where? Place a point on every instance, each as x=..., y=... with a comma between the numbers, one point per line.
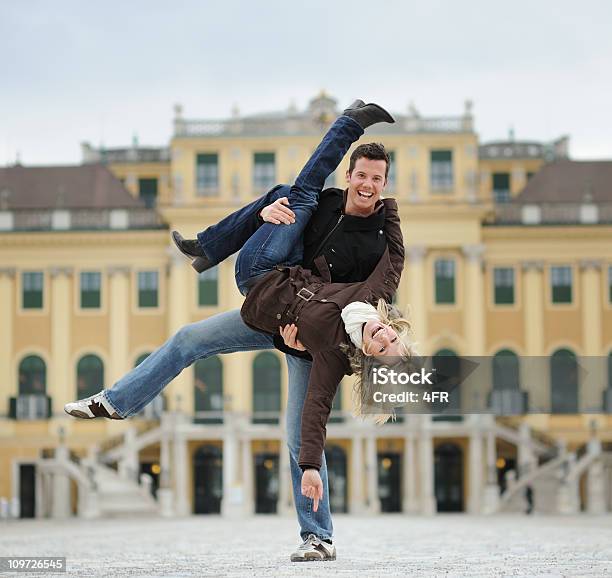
x=273, y=245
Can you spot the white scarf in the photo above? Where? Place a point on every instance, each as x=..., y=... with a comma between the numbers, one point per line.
x=354, y=316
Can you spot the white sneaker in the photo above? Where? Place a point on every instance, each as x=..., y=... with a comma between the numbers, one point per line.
x=313, y=549
x=91, y=407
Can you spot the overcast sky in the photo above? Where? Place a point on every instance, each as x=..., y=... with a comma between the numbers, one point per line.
x=73, y=71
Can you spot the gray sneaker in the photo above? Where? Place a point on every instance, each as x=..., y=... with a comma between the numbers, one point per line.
x=91, y=407
x=313, y=550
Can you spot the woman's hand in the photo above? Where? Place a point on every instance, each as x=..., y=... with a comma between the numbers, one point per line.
x=312, y=487
x=289, y=335
x=277, y=213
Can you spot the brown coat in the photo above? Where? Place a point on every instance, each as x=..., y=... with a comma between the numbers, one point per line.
x=296, y=295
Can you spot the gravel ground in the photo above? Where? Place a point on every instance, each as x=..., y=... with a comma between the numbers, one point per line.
x=385, y=545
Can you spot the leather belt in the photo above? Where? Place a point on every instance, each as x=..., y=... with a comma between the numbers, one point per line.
x=303, y=296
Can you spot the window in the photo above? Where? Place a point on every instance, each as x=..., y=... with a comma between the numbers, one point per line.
x=208, y=287
x=445, y=281
x=147, y=289
x=147, y=191
x=501, y=187
x=32, y=376
x=561, y=282
x=391, y=175
x=441, y=170
x=208, y=389
x=32, y=290
x=90, y=290
x=90, y=376
x=207, y=174
x=264, y=171
x=266, y=388
x=504, y=285
x=448, y=379
x=506, y=370
x=563, y=382
x=610, y=283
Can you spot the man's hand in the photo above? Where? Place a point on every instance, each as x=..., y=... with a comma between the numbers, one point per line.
x=289, y=335
x=278, y=213
x=312, y=487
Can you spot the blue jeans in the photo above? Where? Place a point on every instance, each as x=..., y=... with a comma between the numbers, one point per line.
x=227, y=333
x=264, y=247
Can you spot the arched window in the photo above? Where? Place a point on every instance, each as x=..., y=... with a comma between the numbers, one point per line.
x=266, y=388
x=447, y=366
x=506, y=370
x=90, y=376
x=208, y=389
x=32, y=376
x=563, y=382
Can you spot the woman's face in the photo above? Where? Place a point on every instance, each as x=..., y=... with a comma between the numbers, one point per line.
x=380, y=339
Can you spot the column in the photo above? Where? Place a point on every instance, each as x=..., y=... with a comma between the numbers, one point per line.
x=417, y=301
x=60, y=505
x=426, y=485
x=475, y=466
x=231, y=503
x=285, y=490
x=409, y=505
x=474, y=315
x=118, y=314
x=596, y=487
x=357, y=502
x=372, y=475
x=8, y=374
x=178, y=316
x=525, y=456
x=491, y=493
x=63, y=388
x=593, y=362
x=533, y=307
x=247, y=477
x=180, y=470
x=129, y=464
x=165, y=495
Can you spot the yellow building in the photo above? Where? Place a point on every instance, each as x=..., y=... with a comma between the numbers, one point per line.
x=517, y=265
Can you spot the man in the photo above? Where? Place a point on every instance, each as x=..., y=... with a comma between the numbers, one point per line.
x=347, y=229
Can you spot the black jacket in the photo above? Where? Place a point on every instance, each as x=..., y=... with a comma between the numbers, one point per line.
x=352, y=246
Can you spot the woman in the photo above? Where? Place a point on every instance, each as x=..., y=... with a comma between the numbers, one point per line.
x=334, y=321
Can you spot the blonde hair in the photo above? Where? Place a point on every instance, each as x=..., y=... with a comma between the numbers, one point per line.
x=391, y=316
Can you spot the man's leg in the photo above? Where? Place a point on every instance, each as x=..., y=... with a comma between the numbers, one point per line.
x=222, y=333
x=318, y=523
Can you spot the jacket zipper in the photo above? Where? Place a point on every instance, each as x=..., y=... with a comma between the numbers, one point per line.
x=316, y=253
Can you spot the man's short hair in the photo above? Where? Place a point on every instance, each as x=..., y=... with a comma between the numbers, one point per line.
x=374, y=151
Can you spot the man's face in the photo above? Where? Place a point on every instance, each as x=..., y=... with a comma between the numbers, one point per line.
x=365, y=185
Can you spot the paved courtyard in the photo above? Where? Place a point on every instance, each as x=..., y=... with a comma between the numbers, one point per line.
x=386, y=545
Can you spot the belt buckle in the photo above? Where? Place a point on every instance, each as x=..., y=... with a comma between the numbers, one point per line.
x=309, y=297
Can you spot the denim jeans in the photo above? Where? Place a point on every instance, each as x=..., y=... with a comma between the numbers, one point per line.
x=227, y=333
x=263, y=247
x=270, y=245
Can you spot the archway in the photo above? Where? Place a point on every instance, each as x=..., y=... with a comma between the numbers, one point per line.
x=208, y=479
x=335, y=457
x=448, y=459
